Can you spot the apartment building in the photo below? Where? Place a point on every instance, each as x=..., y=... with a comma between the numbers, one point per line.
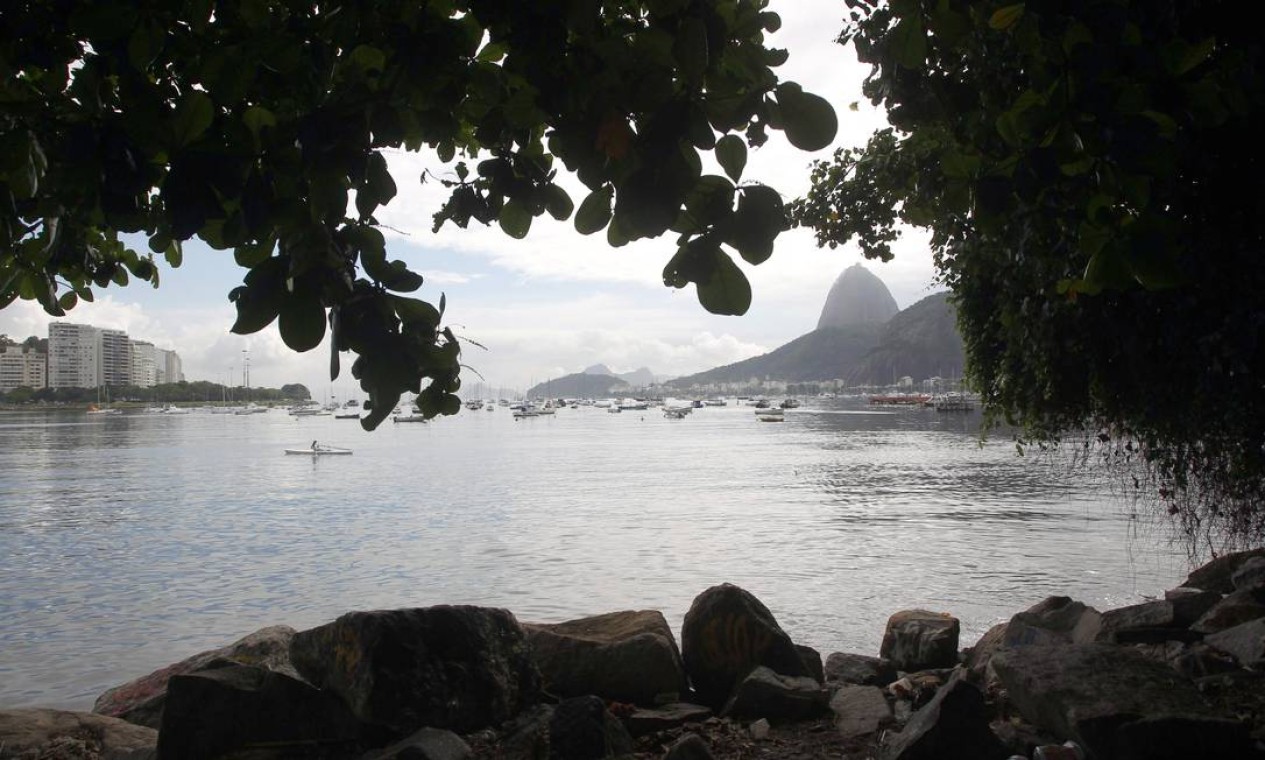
x=74, y=356
x=21, y=366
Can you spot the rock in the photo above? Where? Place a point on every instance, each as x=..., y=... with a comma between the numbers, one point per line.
x=918, y=639
x=859, y=710
x=1149, y=622
x=952, y=726
x=211, y=713
x=1199, y=660
x=1054, y=621
x=426, y=744
x=1246, y=642
x=583, y=729
x=649, y=721
x=1235, y=609
x=526, y=737
x=1218, y=574
x=978, y=657
x=141, y=701
x=759, y=730
x=727, y=633
x=54, y=734
x=765, y=694
x=1190, y=604
x=859, y=669
x=455, y=667
x=1115, y=702
x=622, y=656
x=812, y=662
x=689, y=747
x=1250, y=575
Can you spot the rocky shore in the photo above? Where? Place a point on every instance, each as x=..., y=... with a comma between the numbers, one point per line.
x=1178, y=677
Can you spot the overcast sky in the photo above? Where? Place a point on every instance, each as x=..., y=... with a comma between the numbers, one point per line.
x=558, y=301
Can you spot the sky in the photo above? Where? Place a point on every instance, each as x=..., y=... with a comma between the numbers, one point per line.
x=556, y=302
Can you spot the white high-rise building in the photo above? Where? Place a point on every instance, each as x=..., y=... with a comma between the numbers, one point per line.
x=144, y=364
x=74, y=356
x=21, y=366
x=168, y=366
x=116, y=358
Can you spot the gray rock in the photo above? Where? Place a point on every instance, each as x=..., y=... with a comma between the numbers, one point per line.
x=1190, y=604
x=1056, y=620
x=978, y=657
x=952, y=726
x=141, y=701
x=1235, y=609
x=1115, y=702
x=1246, y=642
x=1149, y=622
x=455, y=667
x=54, y=734
x=727, y=633
x=859, y=710
x=858, y=297
x=622, y=656
x=812, y=662
x=648, y=721
x=426, y=744
x=843, y=667
x=583, y=729
x=526, y=737
x=212, y=713
x=689, y=747
x=765, y=694
x=1218, y=574
x=1250, y=575
x=1200, y=660
x=759, y=730
x=918, y=640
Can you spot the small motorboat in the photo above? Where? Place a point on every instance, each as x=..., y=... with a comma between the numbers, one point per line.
x=321, y=449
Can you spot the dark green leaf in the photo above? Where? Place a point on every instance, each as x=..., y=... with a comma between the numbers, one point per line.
x=192, y=118
x=731, y=153
x=1006, y=17
x=595, y=211
x=558, y=203
x=727, y=290
x=302, y=321
x=515, y=219
x=690, y=49
x=809, y=121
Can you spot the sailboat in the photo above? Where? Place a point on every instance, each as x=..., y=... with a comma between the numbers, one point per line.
x=107, y=409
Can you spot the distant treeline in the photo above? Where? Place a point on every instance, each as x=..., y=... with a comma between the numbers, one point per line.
x=199, y=391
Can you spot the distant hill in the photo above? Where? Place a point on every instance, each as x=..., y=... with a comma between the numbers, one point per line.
x=858, y=297
x=638, y=378
x=579, y=385
x=921, y=342
x=823, y=354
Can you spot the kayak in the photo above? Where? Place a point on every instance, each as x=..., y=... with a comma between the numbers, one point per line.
x=319, y=451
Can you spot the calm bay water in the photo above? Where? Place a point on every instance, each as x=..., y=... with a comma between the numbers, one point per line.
x=131, y=542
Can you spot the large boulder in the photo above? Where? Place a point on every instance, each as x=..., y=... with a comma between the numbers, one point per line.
x=622, y=656
x=1246, y=642
x=1149, y=622
x=979, y=655
x=1055, y=620
x=952, y=726
x=1250, y=575
x=55, y=734
x=812, y=662
x=235, y=708
x=1116, y=702
x=727, y=633
x=652, y=720
x=1218, y=574
x=766, y=694
x=921, y=640
x=1190, y=604
x=859, y=710
x=455, y=667
x=426, y=744
x=1235, y=609
x=859, y=669
x=141, y=701
x=583, y=729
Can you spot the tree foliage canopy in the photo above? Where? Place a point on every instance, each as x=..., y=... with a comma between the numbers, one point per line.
x=1086, y=171
x=262, y=127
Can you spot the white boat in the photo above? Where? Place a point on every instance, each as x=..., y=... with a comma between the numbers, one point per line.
x=108, y=410
x=770, y=415
x=320, y=450
x=613, y=410
x=408, y=418
x=676, y=413
x=347, y=415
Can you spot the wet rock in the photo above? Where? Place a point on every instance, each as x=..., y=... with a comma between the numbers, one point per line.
x=55, y=734
x=1190, y=604
x=141, y=701
x=1218, y=574
x=1115, y=702
x=859, y=669
x=526, y=737
x=766, y=694
x=426, y=744
x=455, y=667
x=1199, y=660
x=1235, y=609
x=1250, y=575
x=978, y=656
x=689, y=747
x=622, y=656
x=727, y=633
x=583, y=729
x=918, y=639
x=952, y=726
x=1246, y=642
x=860, y=710
x=212, y=713
x=1055, y=620
x=649, y=721
x=812, y=662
